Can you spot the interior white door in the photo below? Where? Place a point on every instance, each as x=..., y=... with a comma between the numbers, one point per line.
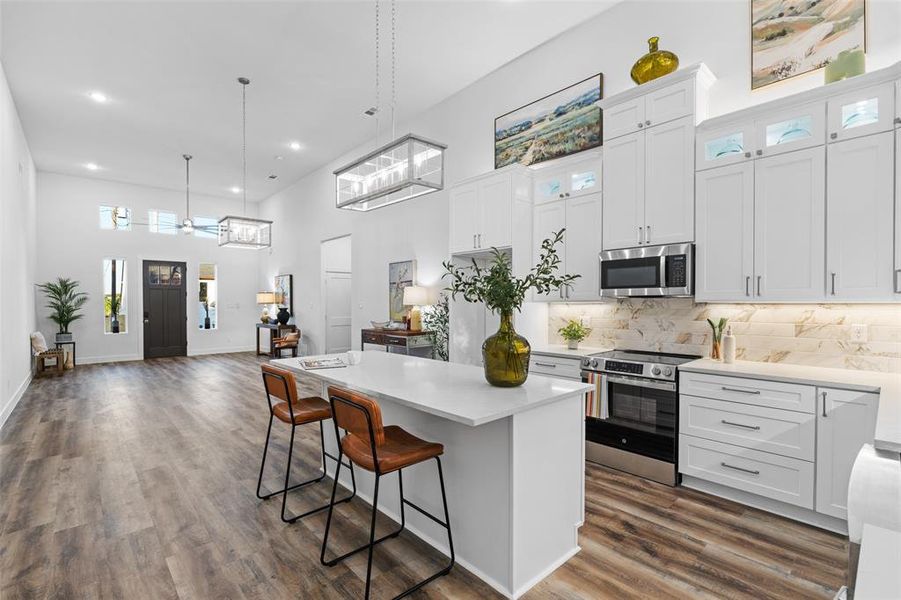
x=464, y=217
x=859, y=214
x=623, y=178
x=337, y=311
x=549, y=219
x=669, y=196
x=724, y=257
x=846, y=420
x=583, y=244
x=790, y=226
x=496, y=205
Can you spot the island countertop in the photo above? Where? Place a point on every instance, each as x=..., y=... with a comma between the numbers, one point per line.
x=453, y=391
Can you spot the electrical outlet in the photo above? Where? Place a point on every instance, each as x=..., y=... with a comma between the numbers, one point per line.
x=858, y=333
x=585, y=321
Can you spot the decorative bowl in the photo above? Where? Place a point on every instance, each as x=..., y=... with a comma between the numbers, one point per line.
x=379, y=324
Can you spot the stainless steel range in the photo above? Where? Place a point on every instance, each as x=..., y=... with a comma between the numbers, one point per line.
x=632, y=416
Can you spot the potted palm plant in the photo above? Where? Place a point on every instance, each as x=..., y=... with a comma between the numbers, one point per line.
x=506, y=354
x=113, y=304
x=65, y=303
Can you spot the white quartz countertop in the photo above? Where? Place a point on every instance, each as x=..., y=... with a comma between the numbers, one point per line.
x=888, y=385
x=562, y=351
x=454, y=391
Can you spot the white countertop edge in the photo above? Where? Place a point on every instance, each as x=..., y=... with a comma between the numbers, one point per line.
x=323, y=374
x=887, y=385
x=561, y=351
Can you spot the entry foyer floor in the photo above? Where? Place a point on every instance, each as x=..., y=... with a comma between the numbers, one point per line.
x=136, y=480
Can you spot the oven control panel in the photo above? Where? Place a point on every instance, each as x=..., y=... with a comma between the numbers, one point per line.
x=616, y=366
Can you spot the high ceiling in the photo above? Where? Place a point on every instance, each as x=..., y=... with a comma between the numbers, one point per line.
x=169, y=71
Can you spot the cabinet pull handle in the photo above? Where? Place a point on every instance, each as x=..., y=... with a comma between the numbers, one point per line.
x=759, y=277
x=640, y=231
x=747, y=285
x=754, y=427
x=560, y=292
x=473, y=240
x=732, y=389
x=647, y=234
x=833, y=284
x=897, y=281
x=749, y=471
x=548, y=365
x=480, y=240
x=824, y=404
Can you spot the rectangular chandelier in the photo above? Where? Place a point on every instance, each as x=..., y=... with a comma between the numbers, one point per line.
x=245, y=232
x=409, y=166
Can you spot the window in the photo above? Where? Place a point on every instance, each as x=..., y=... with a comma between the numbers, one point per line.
x=115, y=217
x=206, y=227
x=115, y=296
x=160, y=221
x=207, y=304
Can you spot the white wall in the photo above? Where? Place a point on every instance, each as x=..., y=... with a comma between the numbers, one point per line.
x=715, y=32
x=71, y=244
x=17, y=254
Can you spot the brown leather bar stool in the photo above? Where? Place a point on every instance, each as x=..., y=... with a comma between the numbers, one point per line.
x=281, y=384
x=381, y=450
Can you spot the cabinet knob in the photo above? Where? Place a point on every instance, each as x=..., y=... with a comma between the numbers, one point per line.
x=759, y=153
x=561, y=195
x=833, y=136
x=567, y=194
x=640, y=124
x=747, y=155
x=647, y=122
x=898, y=120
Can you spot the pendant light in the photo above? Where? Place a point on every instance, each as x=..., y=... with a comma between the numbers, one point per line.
x=187, y=225
x=243, y=231
x=408, y=167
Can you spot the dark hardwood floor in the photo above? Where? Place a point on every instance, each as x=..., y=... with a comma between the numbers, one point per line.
x=136, y=480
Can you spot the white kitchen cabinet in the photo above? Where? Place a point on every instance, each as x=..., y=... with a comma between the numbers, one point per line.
x=725, y=146
x=669, y=190
x=896, y=280
x=496, y=205
x=789, y=226
x=549, y=218
x=861, y=112
x=790, y=129
x=568, y=178
x=624, y=181
x=669, y=103
x=724, y=260
x=846, y=420
x=482, y=209
x=623, y=118
x=464, y=217
x=859, y=215
x=549, y=185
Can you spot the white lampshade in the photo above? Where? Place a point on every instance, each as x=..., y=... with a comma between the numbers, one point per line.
x=415, y=295
x=265, y=297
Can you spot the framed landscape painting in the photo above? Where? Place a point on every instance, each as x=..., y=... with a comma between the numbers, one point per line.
x=560, y=124
x=284, y=292
x=791, y=38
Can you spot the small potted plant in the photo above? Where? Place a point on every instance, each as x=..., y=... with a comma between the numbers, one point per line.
x=573, y=333
x=114, y=303
x=65, y=303
x=716, y=340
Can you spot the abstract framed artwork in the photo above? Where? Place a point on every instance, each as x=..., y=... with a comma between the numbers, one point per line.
x=400, y=275
x=284, y=292
x=559, y=124
x=793, y=38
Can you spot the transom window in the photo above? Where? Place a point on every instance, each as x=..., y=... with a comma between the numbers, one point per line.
x=160, y=221
x=115, y=217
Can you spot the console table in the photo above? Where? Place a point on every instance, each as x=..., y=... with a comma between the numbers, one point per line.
x=396, y=338
x=275, y=330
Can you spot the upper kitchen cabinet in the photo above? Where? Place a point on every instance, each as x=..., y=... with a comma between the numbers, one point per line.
x=648, y=177
x=569, y=177
x=861, y=112
x=484, y=209
x=896, y=275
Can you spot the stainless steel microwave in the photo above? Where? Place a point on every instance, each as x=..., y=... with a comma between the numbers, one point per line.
x=648, y=271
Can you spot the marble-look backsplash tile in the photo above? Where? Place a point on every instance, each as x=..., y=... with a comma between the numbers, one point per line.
x=807, y=334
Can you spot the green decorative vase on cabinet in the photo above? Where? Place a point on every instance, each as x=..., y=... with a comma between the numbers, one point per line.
x=506, y=355
x=656, y=63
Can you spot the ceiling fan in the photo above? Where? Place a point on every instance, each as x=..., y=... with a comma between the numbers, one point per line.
x=187, y=225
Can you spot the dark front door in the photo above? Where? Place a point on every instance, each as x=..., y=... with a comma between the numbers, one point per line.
x=165, y=315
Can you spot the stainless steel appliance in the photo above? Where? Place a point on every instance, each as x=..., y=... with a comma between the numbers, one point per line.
x=648, y=271
x=632, y=416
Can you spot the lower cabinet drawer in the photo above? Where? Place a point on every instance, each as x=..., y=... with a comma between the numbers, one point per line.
x=783, y=432
x=781, y=478
x=568, y=368
x=760, y=392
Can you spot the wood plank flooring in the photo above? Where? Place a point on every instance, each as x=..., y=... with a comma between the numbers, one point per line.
x=136, y=480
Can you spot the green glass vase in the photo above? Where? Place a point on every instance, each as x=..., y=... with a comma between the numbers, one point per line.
x=506, y=355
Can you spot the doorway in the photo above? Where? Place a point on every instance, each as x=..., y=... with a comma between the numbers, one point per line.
x=336, y=293
x=165, y=314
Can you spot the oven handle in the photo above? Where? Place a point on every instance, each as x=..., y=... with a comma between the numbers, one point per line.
x=639, y=382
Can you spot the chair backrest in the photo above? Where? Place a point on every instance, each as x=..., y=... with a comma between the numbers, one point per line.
x=350, y=409
x=279, y=383
x=294, y=337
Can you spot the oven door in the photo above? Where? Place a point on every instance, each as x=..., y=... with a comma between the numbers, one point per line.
x=636, y=415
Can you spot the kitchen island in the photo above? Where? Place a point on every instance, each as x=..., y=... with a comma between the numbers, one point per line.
x=513, y=461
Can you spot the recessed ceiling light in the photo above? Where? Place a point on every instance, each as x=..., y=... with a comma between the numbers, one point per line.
x=294, y=146
x=99, y=97
x=92, y=166
x=279, y=157
x=235, y=189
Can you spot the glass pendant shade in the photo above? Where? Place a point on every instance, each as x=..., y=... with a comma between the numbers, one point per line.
x=409, y=166
x=245, y=232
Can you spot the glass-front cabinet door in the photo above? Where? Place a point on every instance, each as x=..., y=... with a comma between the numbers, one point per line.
x=584, y=177
x=791, y=129
x=724, y=146
x=549, y=184
x=862, y=112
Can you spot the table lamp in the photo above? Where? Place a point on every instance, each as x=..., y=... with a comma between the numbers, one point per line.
x=265, y=299
x=415, y=296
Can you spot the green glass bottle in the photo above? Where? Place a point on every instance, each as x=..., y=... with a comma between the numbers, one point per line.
x=506, y=355
x=656, y=63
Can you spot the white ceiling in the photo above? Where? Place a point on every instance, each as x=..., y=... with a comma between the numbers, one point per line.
x=170, y=69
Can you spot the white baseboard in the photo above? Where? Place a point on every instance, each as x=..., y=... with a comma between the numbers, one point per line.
x=95, y=360
x=14, y=400
x=220, y=350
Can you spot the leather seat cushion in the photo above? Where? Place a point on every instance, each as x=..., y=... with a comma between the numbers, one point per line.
x=401, y=449
x=306, y=410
